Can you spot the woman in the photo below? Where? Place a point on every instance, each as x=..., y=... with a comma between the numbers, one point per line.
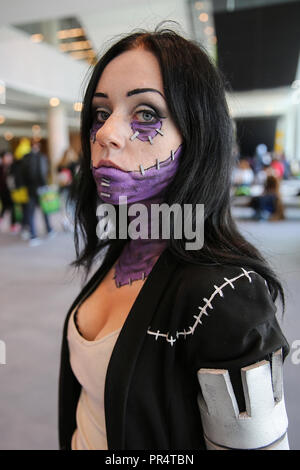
x=155, y=128
x=66, y=175
x=6, y=202
x=269, y=205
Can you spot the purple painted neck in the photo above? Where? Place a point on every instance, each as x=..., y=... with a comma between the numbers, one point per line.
x=148, y=187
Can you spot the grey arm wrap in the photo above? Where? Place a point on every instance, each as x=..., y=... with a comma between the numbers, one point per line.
x=262, y=426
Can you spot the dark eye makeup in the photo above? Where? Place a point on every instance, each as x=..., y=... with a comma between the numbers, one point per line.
x=148, y=115
x=154, y=110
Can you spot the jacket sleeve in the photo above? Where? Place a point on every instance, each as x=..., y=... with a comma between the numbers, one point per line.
x=231, y=320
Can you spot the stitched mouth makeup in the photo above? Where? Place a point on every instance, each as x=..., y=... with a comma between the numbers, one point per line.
x=137, y=186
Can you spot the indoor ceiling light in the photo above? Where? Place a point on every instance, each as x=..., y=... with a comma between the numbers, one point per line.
x=37, y=37
x=70, y=33
x=209, y=30
x=54, y=102
x=203, y=17
x=77, y=106
x=83, y=54
x=75, y=46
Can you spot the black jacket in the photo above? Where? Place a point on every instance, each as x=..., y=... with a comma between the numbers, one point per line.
x=34, y=171
x=184, y=318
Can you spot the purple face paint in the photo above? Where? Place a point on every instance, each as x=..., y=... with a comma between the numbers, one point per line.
x=113, y=183
x=94, y=129
x=137, y=260
x=146, y=131
x=138, y=256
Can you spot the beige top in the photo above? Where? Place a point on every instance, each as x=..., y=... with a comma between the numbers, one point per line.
x=89, y=361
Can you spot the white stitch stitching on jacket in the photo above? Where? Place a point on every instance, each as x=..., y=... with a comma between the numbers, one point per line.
x=208, y=303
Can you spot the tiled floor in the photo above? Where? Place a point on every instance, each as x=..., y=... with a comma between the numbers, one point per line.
x=36, y=290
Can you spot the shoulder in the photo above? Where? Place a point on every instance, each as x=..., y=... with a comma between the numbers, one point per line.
x=226, y=315
x=26, y=157
x=220, y=304
x=226, y=288
x=26, y=160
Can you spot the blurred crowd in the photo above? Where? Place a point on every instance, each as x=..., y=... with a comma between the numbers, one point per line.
x=25, y=176
x=266, y=170
x=25, y=187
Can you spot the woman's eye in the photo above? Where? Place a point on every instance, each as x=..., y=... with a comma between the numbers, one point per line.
x=147, y=116
x=101, y=115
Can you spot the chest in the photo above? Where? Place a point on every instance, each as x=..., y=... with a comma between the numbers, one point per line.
x=106, y=308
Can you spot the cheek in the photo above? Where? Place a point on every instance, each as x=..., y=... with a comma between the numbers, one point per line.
x=93, y=131
x=164, y=138
x=146, y=131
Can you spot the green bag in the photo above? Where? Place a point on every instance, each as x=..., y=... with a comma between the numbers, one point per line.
x=242, y=190
x=49, y=199
x=18, y=212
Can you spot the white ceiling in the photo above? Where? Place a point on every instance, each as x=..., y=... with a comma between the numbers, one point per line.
x=106, y=26
x=103, y=21
x=20, y=11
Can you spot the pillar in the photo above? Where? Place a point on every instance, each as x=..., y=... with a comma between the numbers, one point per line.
x=58, y=136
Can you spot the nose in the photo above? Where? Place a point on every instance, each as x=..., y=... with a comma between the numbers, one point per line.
x=112, y=134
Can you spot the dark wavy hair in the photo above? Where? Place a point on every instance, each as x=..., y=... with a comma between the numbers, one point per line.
x=195, y=92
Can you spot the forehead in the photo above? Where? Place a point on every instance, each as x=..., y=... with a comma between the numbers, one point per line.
x=131, y=69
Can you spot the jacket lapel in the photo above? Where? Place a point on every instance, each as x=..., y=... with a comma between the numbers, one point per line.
x=127, y=348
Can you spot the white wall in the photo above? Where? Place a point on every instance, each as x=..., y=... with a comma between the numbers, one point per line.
x=38, y=68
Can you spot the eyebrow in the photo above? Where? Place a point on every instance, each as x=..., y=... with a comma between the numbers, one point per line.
x=136, y=91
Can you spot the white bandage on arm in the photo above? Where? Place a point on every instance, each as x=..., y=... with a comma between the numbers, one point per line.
x=263, y=426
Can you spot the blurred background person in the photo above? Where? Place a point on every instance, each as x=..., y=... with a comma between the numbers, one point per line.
x=286, y=165
x=278, y=166
x=35, y=169
x=269, y=205
x=16, y=185
x=66, y=176
x=67, y=167
x=242, y=177
x=260, y=158
x=7, y=204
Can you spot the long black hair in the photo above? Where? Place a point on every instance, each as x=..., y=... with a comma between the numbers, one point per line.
x=195, y=92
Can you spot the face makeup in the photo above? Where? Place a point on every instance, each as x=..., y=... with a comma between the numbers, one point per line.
x=135, y=148
x=139, y=255
x=137, y=186
x=147, y=131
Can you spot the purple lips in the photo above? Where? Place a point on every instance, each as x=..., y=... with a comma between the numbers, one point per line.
x=112, y=183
